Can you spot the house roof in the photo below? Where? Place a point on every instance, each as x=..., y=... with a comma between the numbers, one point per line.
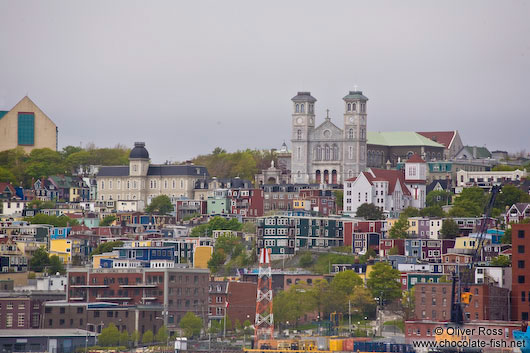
x=393, y=177
x=400, y=138
x=4, y=186
x=3, y=112
x=443, y=137
x=476, y=152
x=154, y=169
x=415, y=159
x=521, y=206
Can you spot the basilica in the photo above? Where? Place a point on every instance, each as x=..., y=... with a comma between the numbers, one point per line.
x=327, y=153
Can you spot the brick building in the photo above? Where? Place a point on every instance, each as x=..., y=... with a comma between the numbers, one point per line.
x=174, y=290
x=433, y=302
x=520, y=274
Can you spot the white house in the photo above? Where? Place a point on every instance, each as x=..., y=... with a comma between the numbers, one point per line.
x=485, y=179
x=517, y=212
x=499, y=276
x=12, y=207
x=390, y=190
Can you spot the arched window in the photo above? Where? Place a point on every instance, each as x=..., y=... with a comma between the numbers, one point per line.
x=319, y=153
x=350, y=152
x=350, y=134
x=363, y=133
x=310, y=108
x=299, y=134
x=302, y=108
x=335, y=153
x=297, y=108
x=349, y=107
x=354, y=107
x=409, y=154
x=326, y=155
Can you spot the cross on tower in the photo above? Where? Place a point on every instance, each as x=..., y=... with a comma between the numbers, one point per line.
x=355, y=88
x=327, y=114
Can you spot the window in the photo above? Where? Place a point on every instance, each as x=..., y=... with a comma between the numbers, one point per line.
x=520, y=249
x=298, y=134
x=26, y=129
x=350, y=134
x=520, y=234
x=520, y=264
x=520, y=279
x=9, y=320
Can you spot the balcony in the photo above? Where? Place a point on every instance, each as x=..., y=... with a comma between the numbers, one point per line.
x=139, y=285
x=89, y=286
x=113, y=298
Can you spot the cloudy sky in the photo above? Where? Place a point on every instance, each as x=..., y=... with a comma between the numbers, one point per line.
x=187, y=76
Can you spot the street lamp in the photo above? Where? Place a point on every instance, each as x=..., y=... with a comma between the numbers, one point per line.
x=86, y=335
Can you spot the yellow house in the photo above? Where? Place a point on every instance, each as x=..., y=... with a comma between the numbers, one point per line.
x=468, y=243
x=302, y=205
x=96, y=259
x=201, y=256
x=65, y=249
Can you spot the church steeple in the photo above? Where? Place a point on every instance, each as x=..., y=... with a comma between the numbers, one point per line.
x=303, y=122
x=354, y=133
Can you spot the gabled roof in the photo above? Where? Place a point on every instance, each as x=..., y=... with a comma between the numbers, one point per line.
x=415, y=159
x=400, y=138
x=521, y=206
x=4, y=186
x=393, y=177
x=443, y=137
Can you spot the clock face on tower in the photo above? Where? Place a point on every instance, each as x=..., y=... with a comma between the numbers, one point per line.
x=351, y=119
x=310, y=120
x=300, y=120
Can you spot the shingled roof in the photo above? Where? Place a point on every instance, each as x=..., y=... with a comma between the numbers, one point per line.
x=443, y=137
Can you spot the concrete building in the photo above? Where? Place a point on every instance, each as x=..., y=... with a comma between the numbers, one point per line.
x=26, y=126
x=143, y=181
x=486, y=179
x=326, y=153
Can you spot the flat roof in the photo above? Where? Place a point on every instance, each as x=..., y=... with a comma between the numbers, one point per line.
x=49, y=332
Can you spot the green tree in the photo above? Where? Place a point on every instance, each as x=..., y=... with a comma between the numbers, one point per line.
x=107, y=220
x=411, y=212
x=55, y=265
x=109, y=336
x=408, y=303
x=345, y=282
x=501, y=261
x=56, y=221
x=135, y=337
x=384, y=282
x=450, y=229
x=510, y=195
x=107, y=247
x=469, y=203
x=362, y=299
x=160, y=205
x=249, y=228
x=394, y=251
x=124, y=338
x=191, y=324
x=39, y=260
x=148, y=337
x=369, y=211
x=339, y=198
x=44, y=162
x=306, y=260
x=162, y=334
x=290, y=305
x=432, y=211
x=438, y=198
x=6, y=176
x=217, y=260
x=399, y=229
x=247, y=328
x=507, y=237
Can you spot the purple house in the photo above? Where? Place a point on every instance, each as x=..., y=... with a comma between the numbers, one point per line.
x=432, y=250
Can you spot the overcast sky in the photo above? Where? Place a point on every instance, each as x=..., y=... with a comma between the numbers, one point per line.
x=187, y=76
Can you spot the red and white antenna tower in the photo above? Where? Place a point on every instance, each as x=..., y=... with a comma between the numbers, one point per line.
x=264, y=324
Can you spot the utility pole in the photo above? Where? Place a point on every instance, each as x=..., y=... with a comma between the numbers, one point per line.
x=349, y=315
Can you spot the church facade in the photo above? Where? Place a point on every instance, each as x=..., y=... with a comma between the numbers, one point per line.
x=328, y=154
